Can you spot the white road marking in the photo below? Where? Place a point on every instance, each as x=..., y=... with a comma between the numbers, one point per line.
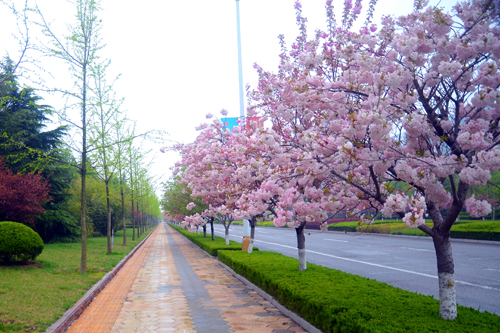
x=411, y=248
x=336, y=240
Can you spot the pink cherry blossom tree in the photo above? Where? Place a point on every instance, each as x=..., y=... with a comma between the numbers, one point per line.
x=255, y=176
x=209, y=172
x=228, y=168
x=416, y=102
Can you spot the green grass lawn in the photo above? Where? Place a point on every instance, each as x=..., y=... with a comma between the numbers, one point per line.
x=32, y=298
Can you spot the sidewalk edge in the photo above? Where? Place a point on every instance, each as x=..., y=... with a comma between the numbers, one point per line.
x=72, y=314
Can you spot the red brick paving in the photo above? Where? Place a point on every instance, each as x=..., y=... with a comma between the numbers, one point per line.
x=147, y=295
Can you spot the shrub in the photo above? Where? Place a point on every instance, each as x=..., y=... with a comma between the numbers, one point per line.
x=18, y=242
x=207, y=244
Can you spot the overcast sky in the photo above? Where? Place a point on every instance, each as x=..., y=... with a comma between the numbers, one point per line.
x=178, y=59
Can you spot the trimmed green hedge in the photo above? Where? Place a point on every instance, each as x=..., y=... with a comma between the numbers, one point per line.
x=479, y=226
x=378, y=226
x=487, y=230
x=19, y=242
x=400, y=228
x=491, y=236
x=335, y=301
x=344, y=228
x=207, y=244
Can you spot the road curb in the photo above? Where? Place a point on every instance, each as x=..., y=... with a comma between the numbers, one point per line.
x=72, y=314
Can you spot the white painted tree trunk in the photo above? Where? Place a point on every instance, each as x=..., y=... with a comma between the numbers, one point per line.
x=301, y=246
x=250, y=246
x=302, y=260
x=446, y=274
x=252, y=234
x=227, y=239
x=447, y=296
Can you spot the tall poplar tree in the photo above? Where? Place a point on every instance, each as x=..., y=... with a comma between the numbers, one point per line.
x=106, y=116
x=78, y=48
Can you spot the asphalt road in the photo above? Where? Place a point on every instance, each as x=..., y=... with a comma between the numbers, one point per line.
x=402, y=261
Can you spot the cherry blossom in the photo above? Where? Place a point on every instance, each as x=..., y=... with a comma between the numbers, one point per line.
x=414, y=104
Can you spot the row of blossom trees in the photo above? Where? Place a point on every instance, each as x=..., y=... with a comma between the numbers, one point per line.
x=354, y=115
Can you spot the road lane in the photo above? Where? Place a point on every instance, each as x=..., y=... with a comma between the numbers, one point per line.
x=404, y=262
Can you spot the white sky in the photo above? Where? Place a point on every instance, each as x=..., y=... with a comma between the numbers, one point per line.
x=178, y=59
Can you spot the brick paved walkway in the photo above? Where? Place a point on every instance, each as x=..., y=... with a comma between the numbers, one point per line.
x=169, y=285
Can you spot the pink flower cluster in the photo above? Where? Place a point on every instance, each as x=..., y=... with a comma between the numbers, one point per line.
x=477, y=208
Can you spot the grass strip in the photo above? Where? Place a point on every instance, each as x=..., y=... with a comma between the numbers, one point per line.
x=335, y=301
x=33, y=297
x=207, y=244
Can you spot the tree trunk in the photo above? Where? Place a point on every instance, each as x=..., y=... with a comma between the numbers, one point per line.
x=133, y=218
x=301, y=246
x=144, y=221
x=253, y=222
x=446, y=275
x=123, y=215
x=138, y=219
x=83, y=200
x=83, y=213
x=212, y=228
x=440, y=234
x=108, y=207
x=226, y=233
x=205, y=231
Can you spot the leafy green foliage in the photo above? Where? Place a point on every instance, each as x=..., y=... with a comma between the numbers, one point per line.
x=207, y=244
x=18, y=242
x=58, y=226
x=96, y=205
x=177, y=196
x=335, y=301
x=22, y=124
